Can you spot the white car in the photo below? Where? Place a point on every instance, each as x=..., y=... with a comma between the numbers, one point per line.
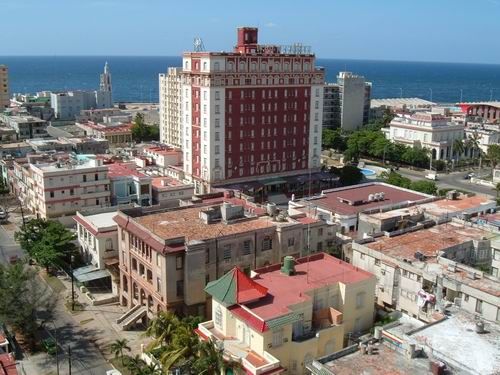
x=431, y=176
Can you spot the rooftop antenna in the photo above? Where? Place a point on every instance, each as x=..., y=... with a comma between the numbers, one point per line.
x=198, y=44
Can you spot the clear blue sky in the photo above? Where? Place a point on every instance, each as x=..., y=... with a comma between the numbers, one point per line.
x=414, y=30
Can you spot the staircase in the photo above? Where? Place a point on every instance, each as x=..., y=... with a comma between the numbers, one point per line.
x=128, y=319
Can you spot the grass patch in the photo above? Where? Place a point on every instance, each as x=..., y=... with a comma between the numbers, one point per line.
x=117, y=363
x=56, y=284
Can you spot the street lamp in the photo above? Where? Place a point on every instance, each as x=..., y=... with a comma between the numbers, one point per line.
x=72, y=259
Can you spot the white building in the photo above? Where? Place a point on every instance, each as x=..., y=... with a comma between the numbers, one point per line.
x=426, y=130
x=487, y=135
x=26, y=127
x=171, y=107
x=62, y=189
x=67, y=105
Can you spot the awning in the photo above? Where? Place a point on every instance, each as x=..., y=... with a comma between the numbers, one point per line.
x=111, y=261
x=89, y=273
x=274, y=181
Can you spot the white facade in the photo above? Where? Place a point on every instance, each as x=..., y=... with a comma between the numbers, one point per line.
x=355, y=100
x=171, y=107
x=426, y=130
x=61, y=190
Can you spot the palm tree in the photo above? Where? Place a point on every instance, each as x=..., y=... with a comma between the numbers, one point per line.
x=458, y=147
x=474, y=143
x=118, y=347
x=210, y=359
x=135, y=364
x=162, y=328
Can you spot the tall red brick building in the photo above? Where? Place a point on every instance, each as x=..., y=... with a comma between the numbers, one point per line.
x=251, y=114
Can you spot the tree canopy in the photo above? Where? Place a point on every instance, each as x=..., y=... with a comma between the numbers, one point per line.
x=49, y=243
x=142, y=132
x=422, y=186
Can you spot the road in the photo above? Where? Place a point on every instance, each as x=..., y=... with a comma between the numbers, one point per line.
x=453, y=180
x=87, y=359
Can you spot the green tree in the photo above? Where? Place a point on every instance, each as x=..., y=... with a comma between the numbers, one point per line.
x=23, y=297
x=493, y=155
x=143, y=132
x=49, y=243
x=332, y=138
x=458, y=148
x=350, y=175
x=396, y=179
x=424, y=186
x=474, y=142
x=118, y=347
x=162, y=328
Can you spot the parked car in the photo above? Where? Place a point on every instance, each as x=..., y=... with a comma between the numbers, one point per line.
x=468, y=176
x=3, y=215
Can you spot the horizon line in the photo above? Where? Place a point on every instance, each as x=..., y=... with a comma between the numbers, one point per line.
x=317, y=58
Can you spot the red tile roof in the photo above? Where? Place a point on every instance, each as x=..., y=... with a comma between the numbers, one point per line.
x=116, y=170
x=311, y=273
x=7, y=365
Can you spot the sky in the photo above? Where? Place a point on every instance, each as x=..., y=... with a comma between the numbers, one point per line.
x=408, y=30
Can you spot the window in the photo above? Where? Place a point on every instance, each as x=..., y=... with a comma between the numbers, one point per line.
x=227, y=252
x=277, y=338
x=180, y=288
x=84, y=178
x=267, y=243
x=360, y=300
x=179, y=262
x=320, y=231
x=377, y=262
x=158, y=263
x=218, y=317
x=52, y=194
x=479, y=306
x=96, y=176
x=71, y=192
x=207, y=279
x=158, y=285
x=362, y=256
x=246, y=247
x=291, y=241
x=466, y=297
x=207, y=256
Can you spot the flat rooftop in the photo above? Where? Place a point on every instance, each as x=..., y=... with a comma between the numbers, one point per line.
x=400, y=102
x=285, y=291
x=455, y=339
x=428, y=241
x=166, y=182
x=187, y=223
x=102, y=221
x=354, y=199
x=462, y=204
x=384, y=361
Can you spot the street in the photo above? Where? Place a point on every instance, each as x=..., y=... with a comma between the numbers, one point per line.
x=453, y=180
x=86, y=357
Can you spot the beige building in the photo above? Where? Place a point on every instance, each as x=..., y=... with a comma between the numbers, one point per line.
x=61, y=189
x=116, y=134
x=171, y=107
x=4, y=87
x=282, y=318
x=167, y=258
x=420, y=271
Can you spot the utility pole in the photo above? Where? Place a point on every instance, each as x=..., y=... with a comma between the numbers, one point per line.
x=69, y=360
x=72, y=283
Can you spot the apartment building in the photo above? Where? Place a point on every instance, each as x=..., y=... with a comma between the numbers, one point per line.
x=426, y=130
x=129, y=185
x=26, y=127
x=346, y=103
x=118, y=134
x=254, y=113
x=61, y=189
x=171, y=107
x=167, y=191
x=4, y=88
x=420, y=270
x=488, y=111
x=167, y=257
x=281, y=318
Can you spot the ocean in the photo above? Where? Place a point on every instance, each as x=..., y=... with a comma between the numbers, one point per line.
x=135, y=79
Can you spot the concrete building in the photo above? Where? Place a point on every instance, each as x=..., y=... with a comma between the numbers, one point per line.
x=26, y=127
x=163, y=156
x=128, y=185
x=426, y=130
x=282, y=318
x=171, y=107
x=97, y=115
x=167, y=258
x=421, y=270
x=7, y=134
x=118, y=134
x=487, y=111
x=61, y=189
x=346, y=104
x=67, y=105
x=16, y=149
x=4, y=88
x=167, y=191
x=378, y=107
x=254, y=113
x=344, y=205
x=37, y=105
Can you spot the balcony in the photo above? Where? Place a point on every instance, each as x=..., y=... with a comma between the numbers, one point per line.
x=240, y=352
